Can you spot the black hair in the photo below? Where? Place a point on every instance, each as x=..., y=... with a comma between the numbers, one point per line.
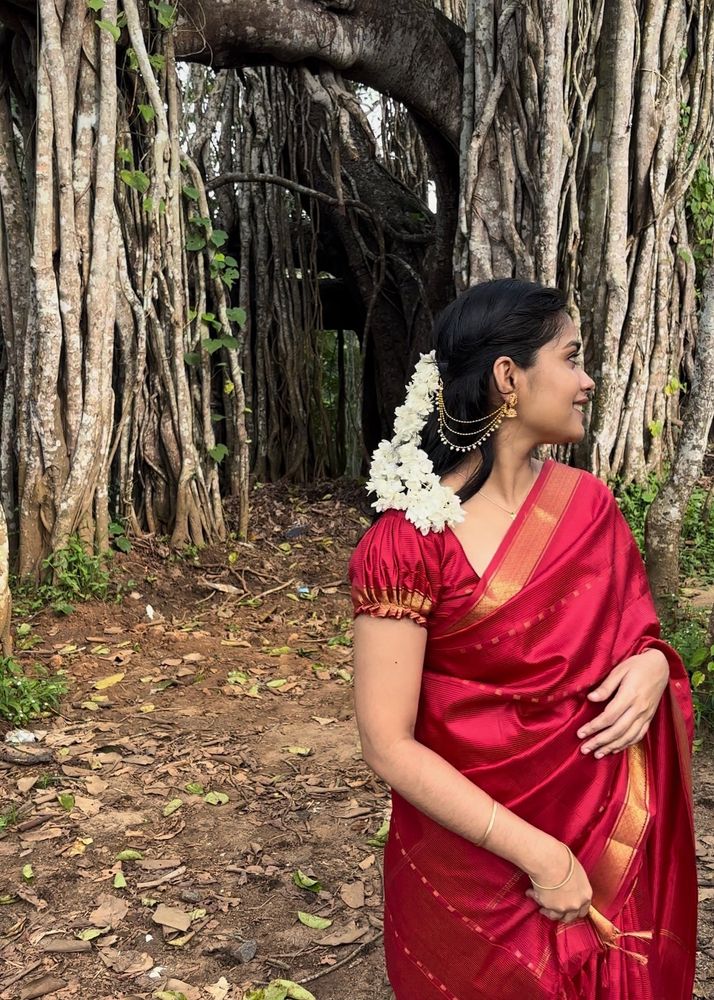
x=487, y=321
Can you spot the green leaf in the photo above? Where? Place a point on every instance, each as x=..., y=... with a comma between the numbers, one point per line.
x=90, y=933
x=293, y=990
x=216, y=418
x=191, y=192
x=66, y=801
x=191, y=358
x=237, y=315
x=125, y=155
x=111, y=28
x=216, y=798
x=195, y=242
x=123, y=543
x=148, y=204
x=24, y=629
x=211, y=344
x=95, y=5
x=304, y=881
x=129, y=854
x=232, y=343
x=238, y=677
x=311, y=920
x=172, y=806
x=300, y=751
x=166, y=13
x=158, y=62
x=136, y=179
x=119, y=881
x=218, y=453
x=380, y=837
x=133, y=60
x=147, y=112
x=194, y=788
x=27, y=873
x=218, y=237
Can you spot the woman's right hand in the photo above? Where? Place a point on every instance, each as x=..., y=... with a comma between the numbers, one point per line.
x=571, y=901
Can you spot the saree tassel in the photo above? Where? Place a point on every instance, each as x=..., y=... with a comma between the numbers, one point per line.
x=608, y=934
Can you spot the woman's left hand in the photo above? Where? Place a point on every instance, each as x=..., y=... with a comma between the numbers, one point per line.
x=636, y=686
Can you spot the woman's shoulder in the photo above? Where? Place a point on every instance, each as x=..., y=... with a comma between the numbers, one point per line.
x=394, y=527
x=589, y=486
x=394, y=540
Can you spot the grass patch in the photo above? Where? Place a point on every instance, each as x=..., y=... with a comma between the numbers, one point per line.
x=26, y=695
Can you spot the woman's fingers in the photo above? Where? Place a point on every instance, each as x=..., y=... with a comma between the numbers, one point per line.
x=626, y=722
x=634, y=734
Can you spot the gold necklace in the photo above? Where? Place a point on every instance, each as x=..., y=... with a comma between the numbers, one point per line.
x=511, y=513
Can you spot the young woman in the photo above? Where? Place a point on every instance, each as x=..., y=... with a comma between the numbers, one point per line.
x=512, y=689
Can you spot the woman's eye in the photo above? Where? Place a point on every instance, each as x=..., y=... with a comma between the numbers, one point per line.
x=575, y=358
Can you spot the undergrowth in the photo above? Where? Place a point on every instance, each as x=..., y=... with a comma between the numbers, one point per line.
x=71, y=575
x=687, y=627
x=28, y=694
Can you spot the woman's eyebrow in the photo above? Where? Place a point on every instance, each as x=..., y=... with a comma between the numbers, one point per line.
x=573, y=343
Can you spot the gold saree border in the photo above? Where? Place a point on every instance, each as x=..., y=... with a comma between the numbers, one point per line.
x=528, y=545
x=622, y=845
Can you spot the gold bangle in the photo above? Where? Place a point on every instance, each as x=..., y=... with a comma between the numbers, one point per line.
x=490, y=824
x=567, y=878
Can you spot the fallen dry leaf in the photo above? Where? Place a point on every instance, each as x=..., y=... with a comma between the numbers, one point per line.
x=352, y=893
x=171, y=916
x=110, y=912
x=65, y=946
x=41, y=987
x=43, y=833
x=219, y=990
x=348, y=935
x=105, y=682
x=128, y=963
x=177, y=986
x=90, y=807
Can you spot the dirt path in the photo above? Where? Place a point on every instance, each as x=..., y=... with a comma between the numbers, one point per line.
x=215, y=741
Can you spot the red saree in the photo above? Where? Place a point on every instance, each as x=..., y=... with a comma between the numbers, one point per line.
x=510, y=658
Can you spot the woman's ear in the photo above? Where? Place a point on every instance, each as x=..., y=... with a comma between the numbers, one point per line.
x=504, y=375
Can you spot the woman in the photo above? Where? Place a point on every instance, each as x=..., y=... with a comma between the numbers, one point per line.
x=512, y=689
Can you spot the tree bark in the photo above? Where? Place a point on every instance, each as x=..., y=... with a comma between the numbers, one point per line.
x=666, y=514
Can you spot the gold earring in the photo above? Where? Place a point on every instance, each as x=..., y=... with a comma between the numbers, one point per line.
x=510, y=405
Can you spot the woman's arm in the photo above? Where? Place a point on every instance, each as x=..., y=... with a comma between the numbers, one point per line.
x=389, y=655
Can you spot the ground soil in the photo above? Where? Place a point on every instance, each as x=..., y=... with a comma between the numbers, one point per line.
x=235, y=669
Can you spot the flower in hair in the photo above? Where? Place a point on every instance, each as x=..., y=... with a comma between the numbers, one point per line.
x=402, y=474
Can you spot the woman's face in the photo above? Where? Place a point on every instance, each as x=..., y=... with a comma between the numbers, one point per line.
x=553, y=393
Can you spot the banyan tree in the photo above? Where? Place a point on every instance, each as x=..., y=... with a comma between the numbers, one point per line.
x=225, y=230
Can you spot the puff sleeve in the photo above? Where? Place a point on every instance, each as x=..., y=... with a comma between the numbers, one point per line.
x=394, y=571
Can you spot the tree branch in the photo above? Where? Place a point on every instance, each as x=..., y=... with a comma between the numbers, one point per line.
x=360, y=43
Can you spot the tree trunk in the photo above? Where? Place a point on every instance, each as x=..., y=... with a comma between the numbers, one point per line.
x=5, y=596
x=666, y=514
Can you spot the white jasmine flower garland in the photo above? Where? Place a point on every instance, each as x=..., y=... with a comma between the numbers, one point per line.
x=402, y=474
